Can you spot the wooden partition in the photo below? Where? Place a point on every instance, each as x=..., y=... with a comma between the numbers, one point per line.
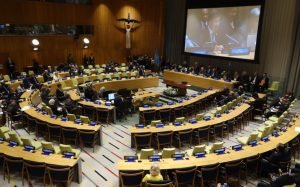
x=107, y=43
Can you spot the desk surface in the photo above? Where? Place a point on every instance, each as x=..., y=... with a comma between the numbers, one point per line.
x=225, y=117
x=75, y=97
x=184, y=102
x=209, y=159
x=46, y=118
x=54, y=159
x=197, y=80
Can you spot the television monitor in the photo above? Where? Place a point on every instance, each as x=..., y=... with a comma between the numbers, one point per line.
x=111, y=96
x=224, y=29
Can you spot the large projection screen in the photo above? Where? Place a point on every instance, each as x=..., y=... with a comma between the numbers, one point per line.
x=229, y=32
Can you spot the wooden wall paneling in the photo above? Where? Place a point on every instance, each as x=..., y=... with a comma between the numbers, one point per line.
x=107, y=43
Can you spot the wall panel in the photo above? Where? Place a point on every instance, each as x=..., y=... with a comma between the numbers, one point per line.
x=108, y=41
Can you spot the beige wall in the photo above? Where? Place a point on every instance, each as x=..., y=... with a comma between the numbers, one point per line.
x=278, y=39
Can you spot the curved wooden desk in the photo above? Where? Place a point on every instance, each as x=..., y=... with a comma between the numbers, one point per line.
x=197, y=80
x=130, y=84
x=37, y=156
x=135, y=83
x=209, y=159
x=75, y=97
x=225, y=117
x=192, y=100
x=63, y=124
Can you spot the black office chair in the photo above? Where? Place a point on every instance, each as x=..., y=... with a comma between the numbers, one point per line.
x=131, y=178
x=233, y=169
x=164, y=139
x=147, y=116
x=209, y=174
x=69, y=135
x=164, y=183
x=88, y=138
x=165, y=115
x=11, y=165
x=89, y=111
x=33, y=170
x=202, y=134
x=184, y=137
x=142, y=140
x=41, y=129
x=185, y=176
x=59, y=174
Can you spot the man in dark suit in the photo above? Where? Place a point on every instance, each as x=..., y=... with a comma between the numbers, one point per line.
x=89, y=93
x=254, y=81
x=34, y=82
x=11, y=67
x=270, y=163
x=264, y=83
x=60, y=94
x=46, y=76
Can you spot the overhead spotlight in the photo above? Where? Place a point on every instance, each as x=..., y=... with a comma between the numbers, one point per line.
x=35, y=42
x=86, y=43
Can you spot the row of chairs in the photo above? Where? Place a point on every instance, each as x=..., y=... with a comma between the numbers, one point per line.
x=27, y=141
x=97, y=66
x=60, y=134
x=198, y=176
x=168, y=114
x=161, y=139
x=49, y=174
x=102, y=115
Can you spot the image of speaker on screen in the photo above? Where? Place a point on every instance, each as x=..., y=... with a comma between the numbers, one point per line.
x=230, y=31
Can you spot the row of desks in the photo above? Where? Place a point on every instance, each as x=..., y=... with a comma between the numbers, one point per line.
x=198, y=80
x=224, y=118
x=192, y=100
x=209, y=159
x=37, y=156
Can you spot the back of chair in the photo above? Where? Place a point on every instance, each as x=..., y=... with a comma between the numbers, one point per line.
x=88, y=136
x=210, y=173
x=233, y=168
x=69, y=133
x=178, y=112
x=131, y=178
x=154, y=122
x=143, y=140
x=145, y=153
x=148, y=115
x=60, y=174
x=168, y=152
x=185, y=176
x=185, y=135
x=204, y=131
x=164, y=138
x=13, y=163
x=34, y=169
x=165, y=114
x=164, y=183
x=14, y=137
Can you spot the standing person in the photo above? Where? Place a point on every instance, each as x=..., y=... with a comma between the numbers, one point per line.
x=35, y=66
x=11, y=67
x=92, y=60
x=86, y=61
x=254, y=81
x=264, y=83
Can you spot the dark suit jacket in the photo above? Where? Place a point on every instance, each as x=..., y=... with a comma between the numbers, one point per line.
x=277, y=157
